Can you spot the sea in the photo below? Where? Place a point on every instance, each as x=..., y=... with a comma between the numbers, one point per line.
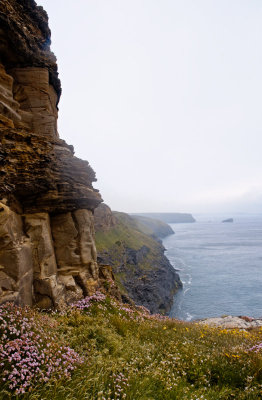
x=220, y=266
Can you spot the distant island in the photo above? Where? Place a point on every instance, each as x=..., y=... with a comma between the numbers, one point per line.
x=228, y=220
x=170, y=218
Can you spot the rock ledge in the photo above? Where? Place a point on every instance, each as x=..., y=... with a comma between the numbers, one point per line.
x=231, y=322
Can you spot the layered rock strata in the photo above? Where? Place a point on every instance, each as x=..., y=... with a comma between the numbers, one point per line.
x=47, y=248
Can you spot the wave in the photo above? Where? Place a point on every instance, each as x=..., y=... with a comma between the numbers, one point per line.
x=189, y=316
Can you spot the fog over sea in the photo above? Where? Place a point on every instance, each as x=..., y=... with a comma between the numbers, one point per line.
x=220, y=265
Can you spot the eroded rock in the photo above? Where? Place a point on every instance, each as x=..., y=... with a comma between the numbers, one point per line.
x=15, y=258
x=47, y=250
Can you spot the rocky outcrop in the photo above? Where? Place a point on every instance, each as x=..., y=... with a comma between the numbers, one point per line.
x=104, y=218
x=142, y=271
x=25, y=38
x=47, y=248
x=231, y=322
x=41, y=174
x=228, y=220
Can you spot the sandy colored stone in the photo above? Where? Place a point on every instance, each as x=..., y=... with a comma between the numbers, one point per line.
x=25, y=38
x=75, y=250
x=37, y=227
x=8, y=106
x=84, y=221
x=231, y=322
x=37, y=100
x=69, y=283
x=47, y=249
x=15, y=256
x=104, y=218
x=50, y=288
x=91, y=285
x=66, y=241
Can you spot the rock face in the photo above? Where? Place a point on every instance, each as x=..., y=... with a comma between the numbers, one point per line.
x=47, y=247
x=104, y=218
x=142, y=271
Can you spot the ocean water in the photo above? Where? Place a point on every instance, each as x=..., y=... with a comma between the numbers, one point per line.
x=220, y=265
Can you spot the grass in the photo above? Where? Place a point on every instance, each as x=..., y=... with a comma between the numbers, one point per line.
x=129, y=354
x=126, y=231
x=114, y=247
x=127, y=235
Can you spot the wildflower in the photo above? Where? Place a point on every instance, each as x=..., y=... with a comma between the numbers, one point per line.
x=27, y=353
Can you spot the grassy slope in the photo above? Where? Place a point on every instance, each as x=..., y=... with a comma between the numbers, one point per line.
x=131, y=356
x=129, y=232
x=132, y=276
x=171, y=218
x=152, y=227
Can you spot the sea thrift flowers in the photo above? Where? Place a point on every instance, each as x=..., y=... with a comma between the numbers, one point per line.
x=28, y=354
x=257, y=348
x=84, y=304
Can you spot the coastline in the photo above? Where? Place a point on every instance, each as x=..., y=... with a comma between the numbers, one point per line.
x=219, y=265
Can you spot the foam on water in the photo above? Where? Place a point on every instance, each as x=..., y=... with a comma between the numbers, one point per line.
x=220, y=267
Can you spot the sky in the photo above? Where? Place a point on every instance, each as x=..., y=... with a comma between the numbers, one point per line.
x=164, y=99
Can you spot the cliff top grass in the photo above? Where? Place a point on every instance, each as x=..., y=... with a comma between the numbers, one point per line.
x=122, y=352
x=127, y=231
x=152, y=227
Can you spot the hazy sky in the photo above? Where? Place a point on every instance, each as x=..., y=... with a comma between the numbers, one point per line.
x=164, y=99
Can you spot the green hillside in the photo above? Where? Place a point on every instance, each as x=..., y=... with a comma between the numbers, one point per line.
x=141, y=269
x=129, y=231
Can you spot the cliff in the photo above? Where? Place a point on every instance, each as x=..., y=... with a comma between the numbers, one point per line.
x=47, y=248
x=141, y=269
x=153, y=227
x=170, y=218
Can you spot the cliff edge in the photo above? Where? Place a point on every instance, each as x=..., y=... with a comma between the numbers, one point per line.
x=136, y=255
x=170, y=218
x=47, y=247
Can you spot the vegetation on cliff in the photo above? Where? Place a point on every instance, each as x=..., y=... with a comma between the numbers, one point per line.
x=170, y=218
x=152, y=227
x=98, y=348
x=113, y=351
x=137, y=257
